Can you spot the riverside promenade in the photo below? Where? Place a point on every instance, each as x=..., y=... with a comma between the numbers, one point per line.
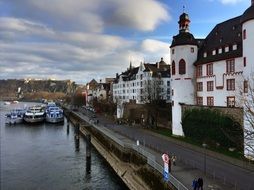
x=190, y=163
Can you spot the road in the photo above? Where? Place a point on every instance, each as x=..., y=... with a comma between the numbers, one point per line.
x=239, y=177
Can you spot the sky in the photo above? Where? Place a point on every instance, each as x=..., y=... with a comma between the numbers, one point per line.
x=85, y=39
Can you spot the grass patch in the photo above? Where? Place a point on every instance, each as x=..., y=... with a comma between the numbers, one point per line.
x=166, y=132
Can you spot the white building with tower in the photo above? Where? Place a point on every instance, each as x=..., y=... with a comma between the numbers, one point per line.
x=214, y=71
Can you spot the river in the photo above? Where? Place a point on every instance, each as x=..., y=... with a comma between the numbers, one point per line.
x=45, y=156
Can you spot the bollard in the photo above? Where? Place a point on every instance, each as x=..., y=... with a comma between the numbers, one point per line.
x=68, y=128
x=88, y=146
x=76, y=137
x=77, y=128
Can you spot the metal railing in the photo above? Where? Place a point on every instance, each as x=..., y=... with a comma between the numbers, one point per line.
x=151, y=159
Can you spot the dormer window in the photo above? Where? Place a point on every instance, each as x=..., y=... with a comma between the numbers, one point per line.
x=220, y=50
x=235, y=47
x=205, y=54
x=214, y=52
x=227, y=49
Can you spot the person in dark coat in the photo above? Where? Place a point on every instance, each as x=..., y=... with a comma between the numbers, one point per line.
x=200, y=183
x=195, y=184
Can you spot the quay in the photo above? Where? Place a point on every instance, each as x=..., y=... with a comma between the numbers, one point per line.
x=141, y=166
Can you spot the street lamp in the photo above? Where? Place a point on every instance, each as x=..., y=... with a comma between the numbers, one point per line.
x=204, y=145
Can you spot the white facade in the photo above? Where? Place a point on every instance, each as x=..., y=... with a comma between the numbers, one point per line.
x=182, y=84
x=248, y=74
x=218, y=76
x=132, y=85
x=219, y=92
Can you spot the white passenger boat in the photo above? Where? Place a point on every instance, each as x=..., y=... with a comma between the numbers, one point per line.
x=35, y=114
x=15, y=116
x=54, y=114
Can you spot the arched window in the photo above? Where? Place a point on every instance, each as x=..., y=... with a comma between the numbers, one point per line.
x=173, y=68
x=182, y=67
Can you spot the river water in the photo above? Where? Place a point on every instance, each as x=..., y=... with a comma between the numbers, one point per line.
x=45, y=156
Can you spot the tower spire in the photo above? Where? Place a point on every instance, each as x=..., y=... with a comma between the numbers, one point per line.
x=184, y=22
x=183, y=8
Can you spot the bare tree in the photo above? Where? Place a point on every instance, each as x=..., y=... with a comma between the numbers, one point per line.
x=248, y=106
x=153, y=95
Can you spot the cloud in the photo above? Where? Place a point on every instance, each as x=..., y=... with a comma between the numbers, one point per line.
x=93, y=15
x=154, y=48
x=143, y=15
x=66, y=39
x=233, y=2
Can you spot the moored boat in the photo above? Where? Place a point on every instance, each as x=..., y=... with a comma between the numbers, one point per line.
x=35, y=114
x=54, y=114
x=15, y=116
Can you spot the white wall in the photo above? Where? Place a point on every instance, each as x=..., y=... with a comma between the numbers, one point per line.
x=248, y=52
x=182, y=85
x=220, y=79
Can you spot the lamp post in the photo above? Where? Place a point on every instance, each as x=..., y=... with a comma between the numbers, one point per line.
x=204, y=145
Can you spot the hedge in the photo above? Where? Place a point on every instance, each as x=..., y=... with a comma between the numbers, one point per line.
x=213, y=128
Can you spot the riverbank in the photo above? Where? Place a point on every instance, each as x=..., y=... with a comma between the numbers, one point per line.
x=132, y=163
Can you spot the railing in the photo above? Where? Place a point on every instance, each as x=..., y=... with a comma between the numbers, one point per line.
x=151, y=159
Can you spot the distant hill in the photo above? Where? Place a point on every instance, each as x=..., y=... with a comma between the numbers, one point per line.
x=35, y=89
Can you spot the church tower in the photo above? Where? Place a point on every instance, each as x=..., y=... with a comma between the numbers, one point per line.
x=184, y=51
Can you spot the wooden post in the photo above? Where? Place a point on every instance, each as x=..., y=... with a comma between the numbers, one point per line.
x=88, y=153
x=88, y=146
x=76, y=137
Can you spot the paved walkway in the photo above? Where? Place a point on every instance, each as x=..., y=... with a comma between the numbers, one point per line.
x=230, y=176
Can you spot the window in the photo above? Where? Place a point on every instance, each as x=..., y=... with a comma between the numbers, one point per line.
x=199, y=71
x=235, y=47
x=173, y=51
x=230, y=84
x=205, y=54
x=220, y=50
x=199, y=86
x=214, y=52
x=209, y=85
x=209, y=69
x=173, y=68
x=244, y=34
x=200, y=101
x=230, y=66
x=231, y=101
x=245, y=86
x=244, y=61
x=141, y=84
x=192, y=49
x=182, y=67
x=172, y=92
x=210, y=101
x=227, y=49
x=168, y=83
x=141, y=77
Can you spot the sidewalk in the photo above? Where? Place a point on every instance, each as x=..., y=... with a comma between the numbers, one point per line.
x=184, y=173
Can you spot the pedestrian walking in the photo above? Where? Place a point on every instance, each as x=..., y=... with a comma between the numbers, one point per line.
x=195, y=184
x=200, y=183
